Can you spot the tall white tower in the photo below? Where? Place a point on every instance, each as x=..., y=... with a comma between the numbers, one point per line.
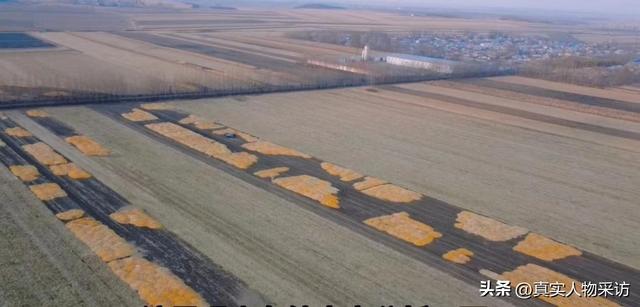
x=365, y=53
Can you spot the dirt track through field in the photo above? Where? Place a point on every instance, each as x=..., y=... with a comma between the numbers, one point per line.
x=516, y=112
x=356, y=207
x=542, y=92
x=543, y=101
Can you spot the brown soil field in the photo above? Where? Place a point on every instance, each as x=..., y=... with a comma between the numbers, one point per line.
x=165, y=73
x=472, y=109
x=546, y=101
x=285, y=70
x=278, y=43
x=52, y=69
x=497, y=165
x=225, y=71
x=571, y=88
x=279, y=54
x=527, y=106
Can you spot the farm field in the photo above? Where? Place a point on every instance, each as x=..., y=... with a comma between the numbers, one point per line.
x=145, y=63
x=420, y=134
x=305, y=215
x=165, y=52
x=312, y=178
x=203, y=210
x=37, y=252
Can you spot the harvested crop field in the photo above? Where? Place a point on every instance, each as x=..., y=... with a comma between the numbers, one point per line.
x=422, y=194
x=43, y=253
x=113, y=241
x=204, y=228
x=468, y=152
x=305, y=177
x=290, y=72
x=448, y=183
x=398, y=194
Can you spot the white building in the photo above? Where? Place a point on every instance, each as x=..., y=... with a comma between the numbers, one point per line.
x=434, y=64
x=365, y=53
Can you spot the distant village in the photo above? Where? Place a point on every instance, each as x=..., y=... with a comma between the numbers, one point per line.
x=558, y=57
x=498, y=47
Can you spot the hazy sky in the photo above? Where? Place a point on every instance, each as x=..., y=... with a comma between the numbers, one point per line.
x=606, y=6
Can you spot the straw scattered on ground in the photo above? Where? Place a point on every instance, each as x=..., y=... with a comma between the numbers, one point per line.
x=200, y=123
x=155, y=284
x=272, y=172
x=37, y=113
x=271, y=149
x=157, y=106
x=543, y=248
x=70, y=215
x=241, y=160
x=100, y=239
x=460, y=255
x=345, y=174
x=87, y=146
x=47, y=191
x=135, y=217
x=26, y=173
x=368, y=182
x=311, y=187
x=44, y=154
x=71, y=170
x=532, y=273
x=17, y=132
x=393, y=193
x=403, y=227
x=137, y=115
x=487, y=228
